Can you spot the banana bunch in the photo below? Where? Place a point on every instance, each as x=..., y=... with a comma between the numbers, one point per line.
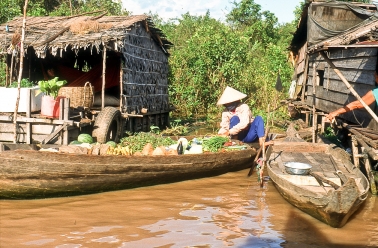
x=119, y=150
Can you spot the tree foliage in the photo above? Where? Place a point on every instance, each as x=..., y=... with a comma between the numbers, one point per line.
x=247, y=53
x=12, y=8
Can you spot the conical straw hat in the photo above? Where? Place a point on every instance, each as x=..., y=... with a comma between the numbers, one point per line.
x=230, y=95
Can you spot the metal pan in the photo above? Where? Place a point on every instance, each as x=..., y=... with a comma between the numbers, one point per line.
x=297, y=168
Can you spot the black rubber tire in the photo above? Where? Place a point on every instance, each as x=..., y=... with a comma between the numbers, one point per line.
x=107, y=125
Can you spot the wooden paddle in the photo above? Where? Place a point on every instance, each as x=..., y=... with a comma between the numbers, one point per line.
x=254, y=163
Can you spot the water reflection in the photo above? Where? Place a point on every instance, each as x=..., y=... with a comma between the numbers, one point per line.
x=230, y=210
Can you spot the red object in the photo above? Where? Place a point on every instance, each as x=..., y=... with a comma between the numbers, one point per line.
x=50, y=106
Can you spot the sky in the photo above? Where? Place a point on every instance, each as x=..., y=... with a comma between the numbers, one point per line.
x=283, y=9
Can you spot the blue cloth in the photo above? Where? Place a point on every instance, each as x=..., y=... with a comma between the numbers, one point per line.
x=251, y=133
x=375, y=93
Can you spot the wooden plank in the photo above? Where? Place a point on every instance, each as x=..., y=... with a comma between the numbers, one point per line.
x=347, y=53
x=346, y=37
x=38, y=120
x=52, y=135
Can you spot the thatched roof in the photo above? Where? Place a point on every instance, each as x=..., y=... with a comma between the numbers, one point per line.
x=75, y=32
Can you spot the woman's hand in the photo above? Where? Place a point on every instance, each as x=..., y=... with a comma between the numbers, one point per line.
x=331, y=116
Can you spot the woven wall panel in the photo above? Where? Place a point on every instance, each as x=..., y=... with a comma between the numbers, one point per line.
x=145, y=73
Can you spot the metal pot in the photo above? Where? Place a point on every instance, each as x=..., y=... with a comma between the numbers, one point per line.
x=296, y=168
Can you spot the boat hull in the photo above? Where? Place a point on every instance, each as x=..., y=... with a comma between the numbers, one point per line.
x=33, y=174
x=325, y=203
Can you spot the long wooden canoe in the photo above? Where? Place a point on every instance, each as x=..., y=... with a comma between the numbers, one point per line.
x=34, y=174
x=313, y=193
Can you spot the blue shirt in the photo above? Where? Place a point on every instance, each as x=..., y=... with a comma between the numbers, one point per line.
x=375, y=93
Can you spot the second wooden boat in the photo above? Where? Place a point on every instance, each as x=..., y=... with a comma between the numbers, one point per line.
x=333, y=190
x=35, y=174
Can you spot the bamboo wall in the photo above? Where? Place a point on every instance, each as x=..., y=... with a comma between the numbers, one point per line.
x=145, y=73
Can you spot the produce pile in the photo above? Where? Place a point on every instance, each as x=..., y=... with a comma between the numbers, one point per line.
x=142, y=144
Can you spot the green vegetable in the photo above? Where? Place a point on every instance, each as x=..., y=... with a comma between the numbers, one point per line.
x=137, y=141
x=51, y=87
x=214, y=144
x=25, y=83
x=111, y=143
x=85, y=138
x=75, y=142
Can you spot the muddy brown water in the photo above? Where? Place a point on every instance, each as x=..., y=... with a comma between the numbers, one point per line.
x=230, y=210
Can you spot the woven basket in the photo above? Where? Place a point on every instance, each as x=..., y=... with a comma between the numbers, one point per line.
x=79, y=96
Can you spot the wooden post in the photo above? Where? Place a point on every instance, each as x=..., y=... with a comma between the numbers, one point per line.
x=371, y=112
x=322, y=130
x=103, y=78
x=28, y=115
x=120, y=84
x=20, y=72
x=11, y=71
x=355, y=152
x=61, y=108
x=66, y=117
x=314, y=116
x=369, y=174
x=7, y=71
x=305, y=76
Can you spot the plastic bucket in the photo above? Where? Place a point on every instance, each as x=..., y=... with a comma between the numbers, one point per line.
x=50, y=106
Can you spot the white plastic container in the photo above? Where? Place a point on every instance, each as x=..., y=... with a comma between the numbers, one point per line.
x=8, y=98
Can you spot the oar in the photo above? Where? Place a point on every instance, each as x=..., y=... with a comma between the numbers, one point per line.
x=254, y=163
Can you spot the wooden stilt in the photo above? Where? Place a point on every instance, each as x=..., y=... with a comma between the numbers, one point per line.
x=314, y=116
x=66, y=117
x=324, y=120
x=28, y=115
x=120, y=84
x=370, y=175
x=103, y=78
x=355, y=153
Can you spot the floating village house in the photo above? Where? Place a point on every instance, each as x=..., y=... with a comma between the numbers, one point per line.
x=334, y=52
x=124, y=59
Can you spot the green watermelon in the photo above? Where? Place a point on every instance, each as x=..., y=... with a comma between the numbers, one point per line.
x=75, y=142
x=111, y=143
x=85, y=138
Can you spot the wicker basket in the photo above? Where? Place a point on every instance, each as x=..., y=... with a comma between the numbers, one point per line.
x=79, y=96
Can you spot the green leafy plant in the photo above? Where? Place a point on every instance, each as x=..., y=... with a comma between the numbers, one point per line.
x=214, y=144
x=25, y=83
x=155, y=129
x=52, y=86
x=137, y=141
x=177, y=129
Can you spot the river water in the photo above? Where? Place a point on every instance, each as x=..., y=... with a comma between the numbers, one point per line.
x=229, y=210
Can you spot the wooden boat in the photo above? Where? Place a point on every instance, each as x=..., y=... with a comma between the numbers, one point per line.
x=332, y=191
x=34, y=174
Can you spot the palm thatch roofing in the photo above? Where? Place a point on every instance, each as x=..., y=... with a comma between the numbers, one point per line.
x=56, y=34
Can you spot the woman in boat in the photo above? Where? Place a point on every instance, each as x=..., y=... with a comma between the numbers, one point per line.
x=369, y=98
x=237, y=120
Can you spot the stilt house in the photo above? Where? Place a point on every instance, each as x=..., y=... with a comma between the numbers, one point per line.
x=343, y=35
x=124, y=58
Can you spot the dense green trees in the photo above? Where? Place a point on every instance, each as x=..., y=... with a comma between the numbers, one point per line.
x=246, y=52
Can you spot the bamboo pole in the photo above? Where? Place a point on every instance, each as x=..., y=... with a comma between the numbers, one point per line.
x=28, y=115
x=120, y=84
x=305, y=78
x=20, y=72
x=103, y=78
x=371, y=112
x=11, y=71
x=314, y=118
